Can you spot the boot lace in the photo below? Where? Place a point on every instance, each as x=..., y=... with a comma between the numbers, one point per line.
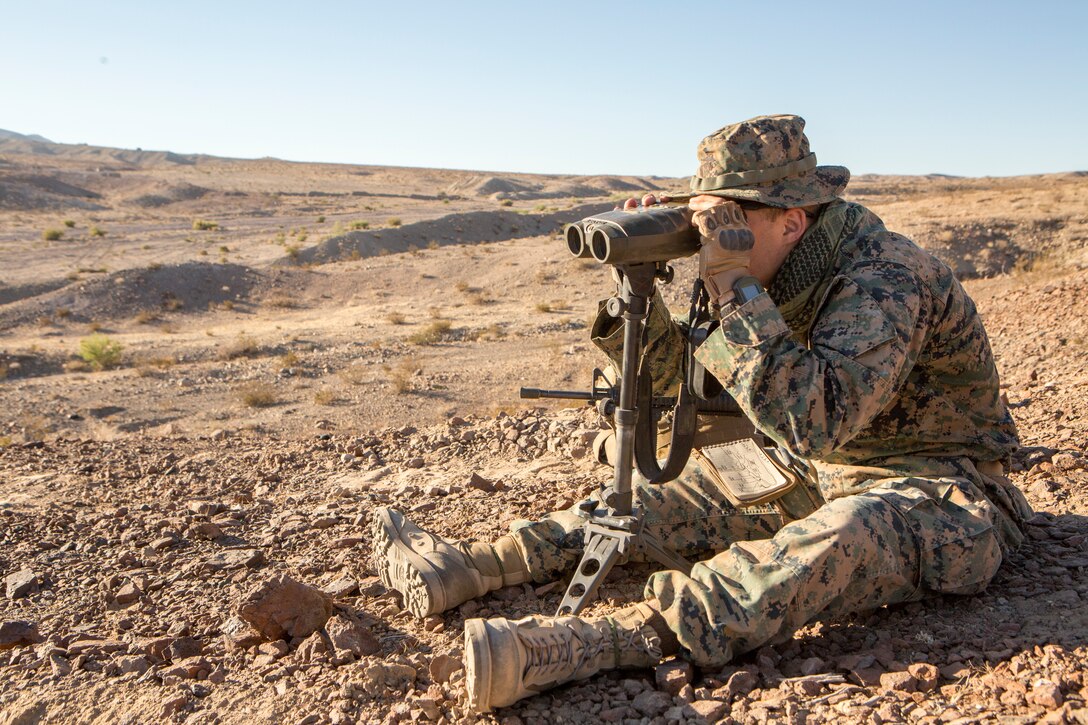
x=559, y=652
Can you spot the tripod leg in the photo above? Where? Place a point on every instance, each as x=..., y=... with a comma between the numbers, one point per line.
x=668, y=558
x=602, y=550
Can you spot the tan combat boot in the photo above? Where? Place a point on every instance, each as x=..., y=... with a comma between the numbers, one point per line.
x=507, y=660
x=434, y=574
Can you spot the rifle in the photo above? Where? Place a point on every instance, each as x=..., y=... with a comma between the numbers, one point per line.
x=638, y=244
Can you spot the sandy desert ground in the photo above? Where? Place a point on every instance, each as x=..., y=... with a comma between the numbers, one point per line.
x=286, y=346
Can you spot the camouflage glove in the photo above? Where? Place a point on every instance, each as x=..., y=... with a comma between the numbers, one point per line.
x=727, y=247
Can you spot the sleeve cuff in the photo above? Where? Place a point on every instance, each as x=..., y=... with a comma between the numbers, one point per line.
x=754, y=323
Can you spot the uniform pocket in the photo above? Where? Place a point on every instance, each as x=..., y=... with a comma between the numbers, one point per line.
x=958, y=550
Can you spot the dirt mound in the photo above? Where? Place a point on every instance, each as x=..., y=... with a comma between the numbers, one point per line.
x=470, y=228
x=191, y=286
x=492, y=185
x=169, y=194
x=30, y=192
x=615, y=183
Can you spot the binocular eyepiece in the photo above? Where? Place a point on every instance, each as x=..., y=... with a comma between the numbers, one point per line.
x=647, y=234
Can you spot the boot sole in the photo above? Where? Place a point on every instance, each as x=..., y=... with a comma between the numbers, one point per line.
x=403, y=570
x=477, y=665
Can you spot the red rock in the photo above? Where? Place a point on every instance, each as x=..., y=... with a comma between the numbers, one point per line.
x=926, y=675
x=443, y=666
x=899, y=681
x=673, y=675
x=15, y=633
x=240, y=634
x=351, y=638
x=480, y=483
x=710, y=710
x=1047, y=694
x=127, y=594
x=21, y=584
x=282, y=608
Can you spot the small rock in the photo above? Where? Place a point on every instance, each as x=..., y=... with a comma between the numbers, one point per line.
x=343, y=587
x=416, y=462
x=59, y=666
x=813, y=666
x=428, y=706
x=351, y=639
x=234, y=559
x=651, y=702
x=1047, y=694
x=205, y=530
x=163, y=543
x=709, y=710
x=1065, y=598
x=173, y=704
x=240, y=633
x=480, y=483
x=281, y=608
x=899, y=681
x=21, y=584
x=739, y=683
x=442, y=668
x=926, y=675
x=127, y=594
x=183, y=647
x=276, y=649
x=313, y=649
x=346, y=542
x=132, y=663
x=673, y=675
x=378, y=678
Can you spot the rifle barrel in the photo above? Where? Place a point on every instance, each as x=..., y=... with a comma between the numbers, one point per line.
x=564, y=394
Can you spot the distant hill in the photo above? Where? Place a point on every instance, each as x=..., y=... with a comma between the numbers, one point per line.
x=23, y=137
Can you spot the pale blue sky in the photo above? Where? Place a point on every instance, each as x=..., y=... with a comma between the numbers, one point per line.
x=971, y=88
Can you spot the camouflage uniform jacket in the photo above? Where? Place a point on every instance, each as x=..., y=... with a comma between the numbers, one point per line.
x=880, y=366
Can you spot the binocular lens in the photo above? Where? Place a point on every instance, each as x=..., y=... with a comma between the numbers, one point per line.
x=576, y=240
x=599, y=245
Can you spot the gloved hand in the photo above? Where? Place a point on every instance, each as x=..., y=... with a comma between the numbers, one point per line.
x=727, y=247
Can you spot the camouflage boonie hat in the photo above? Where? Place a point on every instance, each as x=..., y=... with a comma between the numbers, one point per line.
x=766, y=159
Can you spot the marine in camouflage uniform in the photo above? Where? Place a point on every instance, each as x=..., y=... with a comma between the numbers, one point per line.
x=865, y=357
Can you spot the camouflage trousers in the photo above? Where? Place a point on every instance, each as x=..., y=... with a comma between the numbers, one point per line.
x=762, y=574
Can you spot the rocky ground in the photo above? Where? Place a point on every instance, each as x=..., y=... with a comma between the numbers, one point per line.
x=172, y=552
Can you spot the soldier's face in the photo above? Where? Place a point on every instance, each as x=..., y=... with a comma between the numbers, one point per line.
x=773, y=232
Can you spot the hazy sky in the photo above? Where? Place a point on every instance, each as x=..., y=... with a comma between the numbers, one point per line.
x=971, y=88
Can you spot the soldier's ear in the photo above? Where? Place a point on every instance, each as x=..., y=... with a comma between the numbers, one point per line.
x=794, y=224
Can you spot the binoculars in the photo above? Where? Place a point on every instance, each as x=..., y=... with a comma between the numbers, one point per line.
x=646, y=234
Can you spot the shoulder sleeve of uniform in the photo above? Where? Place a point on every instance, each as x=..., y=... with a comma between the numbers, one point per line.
x=867, y=333
x=664, y=348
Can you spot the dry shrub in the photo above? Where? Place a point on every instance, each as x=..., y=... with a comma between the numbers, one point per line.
x=100, y=352
x=203, y=225
x=144, y=317
x=53, y=235
x=257, y=394
x=281, y=301
x=356, y=374
x=395, y=318
x=434, y=332
x=326, y=396
x=243, y=346
x=400, y=377
x=289, y=360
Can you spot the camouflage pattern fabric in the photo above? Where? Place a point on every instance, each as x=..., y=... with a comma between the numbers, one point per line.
x=691, y=514
x=887, y=384
x=765, y=159
x=901, y=540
